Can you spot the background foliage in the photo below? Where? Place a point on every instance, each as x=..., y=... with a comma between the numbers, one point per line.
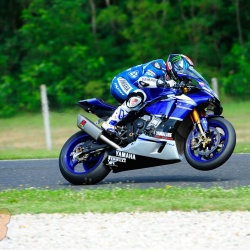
x=76, y=47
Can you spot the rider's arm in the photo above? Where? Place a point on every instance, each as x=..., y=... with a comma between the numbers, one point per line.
x=147, y=82
x=151, y=82
x=154, y=76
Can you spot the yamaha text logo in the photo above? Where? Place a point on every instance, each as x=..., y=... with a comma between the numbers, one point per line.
x=120, y=157
x=125, y=155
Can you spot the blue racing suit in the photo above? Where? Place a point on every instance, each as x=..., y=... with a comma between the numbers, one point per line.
x=134, y=86
x=127, y=82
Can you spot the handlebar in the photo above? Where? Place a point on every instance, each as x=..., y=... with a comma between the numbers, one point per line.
x=184, y=86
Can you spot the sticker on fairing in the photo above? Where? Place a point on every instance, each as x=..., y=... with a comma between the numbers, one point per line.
x=163, y=135
x=112, y=160
x=125, y=155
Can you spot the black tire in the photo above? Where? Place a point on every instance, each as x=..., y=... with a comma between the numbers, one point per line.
x=223, y=143
x=91, y=171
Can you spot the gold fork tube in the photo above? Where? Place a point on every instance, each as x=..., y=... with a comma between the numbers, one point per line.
x=196, y=119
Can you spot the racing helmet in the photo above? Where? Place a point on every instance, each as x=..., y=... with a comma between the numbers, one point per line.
x=177, y=62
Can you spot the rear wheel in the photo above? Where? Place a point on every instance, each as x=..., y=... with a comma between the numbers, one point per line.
x=82, y=169
x=222, y=140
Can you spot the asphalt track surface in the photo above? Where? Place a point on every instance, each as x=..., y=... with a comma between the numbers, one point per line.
x=45, y=174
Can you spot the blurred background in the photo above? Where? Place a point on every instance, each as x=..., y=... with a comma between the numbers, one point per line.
x=76, y=47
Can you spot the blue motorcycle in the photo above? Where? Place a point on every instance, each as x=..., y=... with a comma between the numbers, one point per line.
x=181, y=122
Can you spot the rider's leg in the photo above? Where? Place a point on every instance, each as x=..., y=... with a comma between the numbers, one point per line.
x=133, y=101
x=120, y=113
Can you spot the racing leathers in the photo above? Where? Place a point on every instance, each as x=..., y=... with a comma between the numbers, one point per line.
x=132, y=86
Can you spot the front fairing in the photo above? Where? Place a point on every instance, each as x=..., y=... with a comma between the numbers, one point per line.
x=178, y=105
x=201, y=83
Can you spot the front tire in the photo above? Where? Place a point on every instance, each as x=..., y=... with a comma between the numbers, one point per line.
x=90, y=171
x=223, y=140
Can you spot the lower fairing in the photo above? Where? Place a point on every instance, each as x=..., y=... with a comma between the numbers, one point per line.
x=143, y=153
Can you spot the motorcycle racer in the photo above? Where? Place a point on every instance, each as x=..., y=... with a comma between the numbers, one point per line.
x=132, y=87
x=182, y=120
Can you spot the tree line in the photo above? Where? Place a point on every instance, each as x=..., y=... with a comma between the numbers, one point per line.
x=76, y=47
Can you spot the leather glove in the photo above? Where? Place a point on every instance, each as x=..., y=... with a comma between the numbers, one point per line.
x=165, y=84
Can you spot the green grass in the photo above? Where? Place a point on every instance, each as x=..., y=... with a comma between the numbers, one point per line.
x=115, y=200
x=238, y=114
x=23, y=136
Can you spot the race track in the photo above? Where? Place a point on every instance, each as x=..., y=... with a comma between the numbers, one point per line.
x=21, y=174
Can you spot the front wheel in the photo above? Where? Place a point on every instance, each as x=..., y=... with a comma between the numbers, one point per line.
x=222, y=139
x=82, y=169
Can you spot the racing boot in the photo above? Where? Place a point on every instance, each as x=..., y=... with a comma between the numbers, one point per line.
x=120, y=113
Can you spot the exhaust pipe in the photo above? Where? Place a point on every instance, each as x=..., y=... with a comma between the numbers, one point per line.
x=93, y=130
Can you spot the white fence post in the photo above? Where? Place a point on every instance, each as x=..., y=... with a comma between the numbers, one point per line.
x=215, y=86
x=45, y=110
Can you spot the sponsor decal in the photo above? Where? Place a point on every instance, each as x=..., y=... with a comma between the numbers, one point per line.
x=157, y=65
x=113, y=159
x=122, y=114
x=176, y=58
x=150, y=73
x=163, y=135
x=125, y=155
x=124, y=85
x=170, y=144
x=118, y=88
x=148, y=79
x=133, y=74
x=83, y=122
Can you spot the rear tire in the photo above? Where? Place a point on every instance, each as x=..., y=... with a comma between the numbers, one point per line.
x=223, y=142
x=87, y=172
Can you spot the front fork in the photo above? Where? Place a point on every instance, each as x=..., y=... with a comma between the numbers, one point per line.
x=203, y=128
